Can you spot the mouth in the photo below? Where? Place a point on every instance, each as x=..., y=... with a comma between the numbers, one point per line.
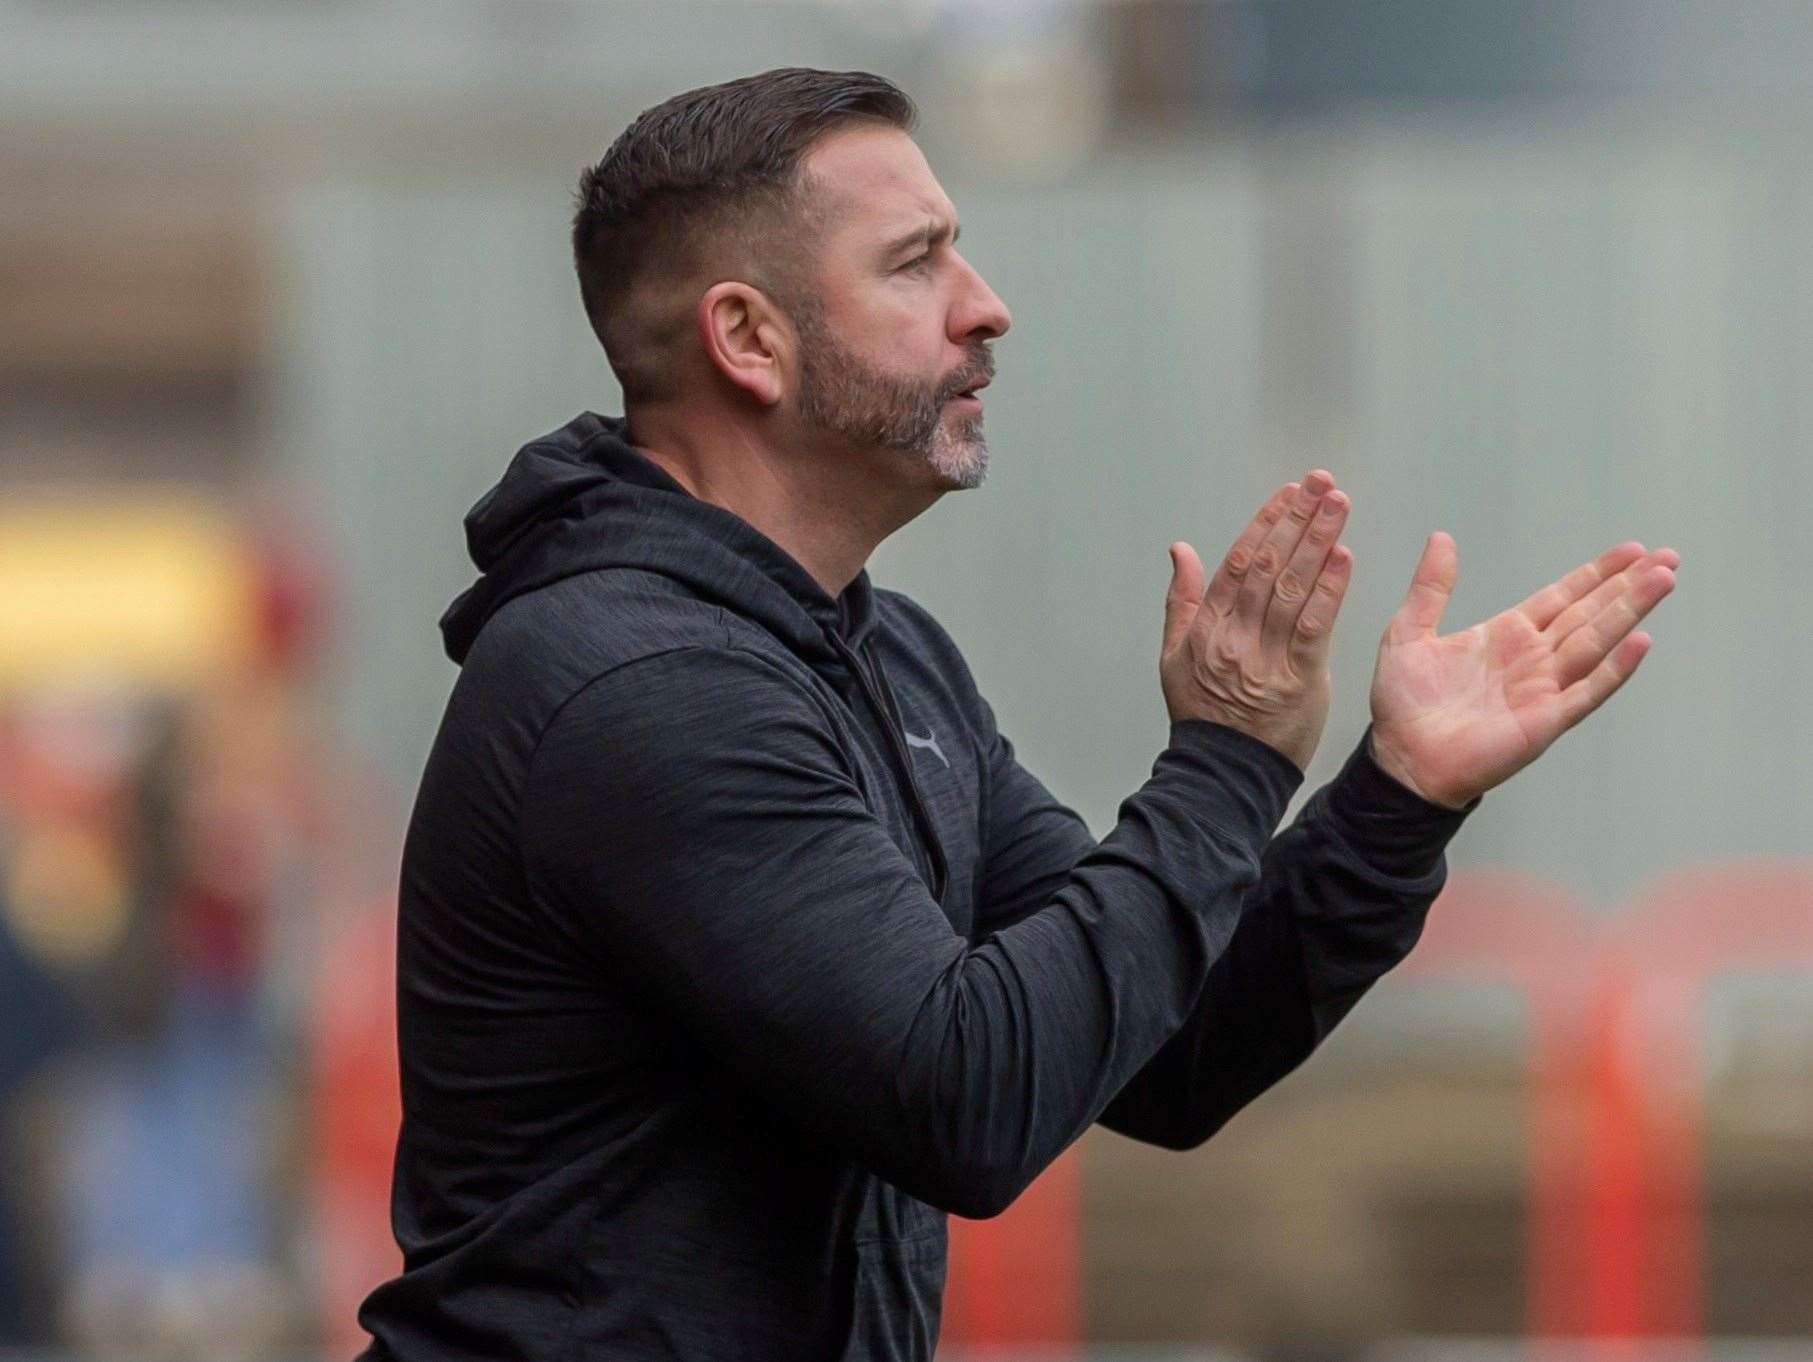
x=970, y=396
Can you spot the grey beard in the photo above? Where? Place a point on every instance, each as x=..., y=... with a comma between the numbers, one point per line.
x=844, y=396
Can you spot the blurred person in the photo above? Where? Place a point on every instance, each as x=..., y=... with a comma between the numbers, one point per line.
x=173, y=1212
x=736, y=948
x=81, y=972
x=39, y=1020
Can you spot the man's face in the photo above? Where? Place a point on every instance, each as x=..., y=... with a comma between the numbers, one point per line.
x=895, y=335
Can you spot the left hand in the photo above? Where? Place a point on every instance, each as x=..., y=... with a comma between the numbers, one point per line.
x=1454, y=716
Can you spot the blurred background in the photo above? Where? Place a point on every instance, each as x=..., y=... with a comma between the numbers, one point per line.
x=284, y=284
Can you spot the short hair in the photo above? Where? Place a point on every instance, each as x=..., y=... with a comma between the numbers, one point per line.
x=712, y=166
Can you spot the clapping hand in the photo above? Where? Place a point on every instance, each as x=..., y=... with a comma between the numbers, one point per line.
x=1454, y=715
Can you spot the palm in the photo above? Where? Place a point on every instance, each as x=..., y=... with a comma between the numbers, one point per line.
x=1455, y=715
x=1483, y=700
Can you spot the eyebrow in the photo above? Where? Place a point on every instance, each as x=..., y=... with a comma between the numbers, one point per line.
x=928, y=233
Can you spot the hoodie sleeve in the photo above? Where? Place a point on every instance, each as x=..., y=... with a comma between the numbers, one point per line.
x=1342, y=897
x=694, y=817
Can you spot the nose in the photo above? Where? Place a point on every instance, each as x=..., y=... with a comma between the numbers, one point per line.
x=979, y=312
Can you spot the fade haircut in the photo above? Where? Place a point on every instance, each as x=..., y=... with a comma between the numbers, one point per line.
x=709, y=179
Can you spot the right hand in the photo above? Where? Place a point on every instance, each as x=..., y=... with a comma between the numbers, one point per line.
x=1251, y=651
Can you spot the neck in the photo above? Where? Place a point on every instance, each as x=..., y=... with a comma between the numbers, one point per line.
x=828, y=508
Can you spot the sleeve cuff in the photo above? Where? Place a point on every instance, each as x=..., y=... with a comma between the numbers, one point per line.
x=1273, y=776
x=1388, y=822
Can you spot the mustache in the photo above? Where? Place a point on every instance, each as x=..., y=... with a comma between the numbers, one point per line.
x=981, y=366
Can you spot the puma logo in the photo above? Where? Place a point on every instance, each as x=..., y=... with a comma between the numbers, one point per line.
x=930, y=740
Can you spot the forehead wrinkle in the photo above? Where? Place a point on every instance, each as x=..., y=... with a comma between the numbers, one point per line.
x=867, y=198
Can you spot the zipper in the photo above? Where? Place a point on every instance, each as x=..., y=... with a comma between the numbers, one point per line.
x=881, y=700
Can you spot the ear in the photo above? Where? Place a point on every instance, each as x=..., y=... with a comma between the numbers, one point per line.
x=745, y=338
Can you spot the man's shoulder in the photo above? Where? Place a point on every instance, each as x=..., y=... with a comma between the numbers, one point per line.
x=595, y=621
x=545, y=646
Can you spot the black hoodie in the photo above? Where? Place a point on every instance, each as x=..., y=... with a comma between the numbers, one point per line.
x=735, y=947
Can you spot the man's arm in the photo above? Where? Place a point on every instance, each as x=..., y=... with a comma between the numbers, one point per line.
x=1344, y=890
x=691, y=819
x=1341, y=899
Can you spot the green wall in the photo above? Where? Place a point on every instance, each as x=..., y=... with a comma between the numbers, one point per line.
x=1543, y=338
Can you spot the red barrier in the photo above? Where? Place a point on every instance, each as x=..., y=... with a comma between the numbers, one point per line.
x=1616, y=1219
x=357, y=1111
x=1493, y=926
x=1017, y=1279
x=1681, y=934
x=1616, y=1165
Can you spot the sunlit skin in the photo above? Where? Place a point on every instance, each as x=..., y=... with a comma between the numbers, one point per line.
x=899, y=306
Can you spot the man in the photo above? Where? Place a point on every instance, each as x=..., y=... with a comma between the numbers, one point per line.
x=735, y=946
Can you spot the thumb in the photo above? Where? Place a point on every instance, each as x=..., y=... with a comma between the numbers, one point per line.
x=1430, y=586
x=1184, y=598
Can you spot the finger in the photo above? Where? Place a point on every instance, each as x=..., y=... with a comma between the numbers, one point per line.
x=1431, y=584
x=1184, y=596
x=1255, y=592
x=1239, y=559
x=1315, y=625
x=1541, y=607
x=1594, y=689
x=1594, y=602
x=1290, y=593
x=1587, y=646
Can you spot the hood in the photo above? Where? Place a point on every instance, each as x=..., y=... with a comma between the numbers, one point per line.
x=581, y=498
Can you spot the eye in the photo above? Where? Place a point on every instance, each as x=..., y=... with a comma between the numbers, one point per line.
x=917, y=262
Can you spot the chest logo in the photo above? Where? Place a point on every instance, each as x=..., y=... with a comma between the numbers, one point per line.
x=930, y=740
